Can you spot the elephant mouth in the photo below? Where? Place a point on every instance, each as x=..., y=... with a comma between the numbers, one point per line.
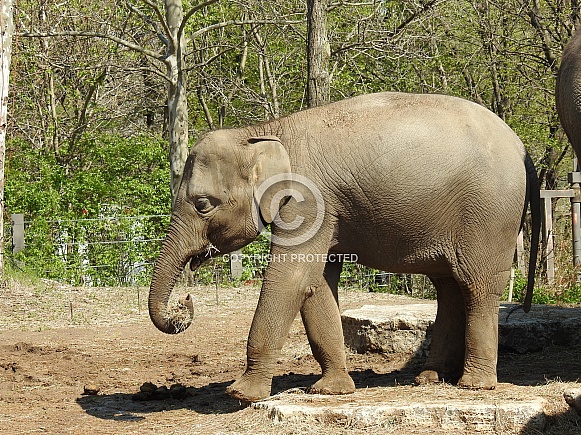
x=199, y=259
x=195, y=262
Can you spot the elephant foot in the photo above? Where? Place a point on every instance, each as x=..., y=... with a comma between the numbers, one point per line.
x=333, y=383
x=477, y=381
x=249, y=390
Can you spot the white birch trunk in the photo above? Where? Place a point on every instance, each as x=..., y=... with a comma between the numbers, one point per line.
x=177, y=98
x=6, y=30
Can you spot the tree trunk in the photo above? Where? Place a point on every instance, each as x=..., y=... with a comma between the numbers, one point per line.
x=7, y=30
x=318, y=54
x=177, y=98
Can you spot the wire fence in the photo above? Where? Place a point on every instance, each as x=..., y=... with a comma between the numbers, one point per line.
x=121, y=249
x=106, y=251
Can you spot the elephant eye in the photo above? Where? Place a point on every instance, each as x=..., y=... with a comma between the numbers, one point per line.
x=203, y=205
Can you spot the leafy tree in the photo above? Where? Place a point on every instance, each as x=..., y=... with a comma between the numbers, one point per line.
x=95, y=79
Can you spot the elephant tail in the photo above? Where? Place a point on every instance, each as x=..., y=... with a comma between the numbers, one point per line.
x=534, y=201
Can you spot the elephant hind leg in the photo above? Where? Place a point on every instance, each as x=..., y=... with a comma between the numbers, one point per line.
x=447, y=348
x=322, y=320
x=482, y=303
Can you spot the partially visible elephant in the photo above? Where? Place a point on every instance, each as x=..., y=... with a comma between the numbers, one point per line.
x=423, y=184
x=568, y=92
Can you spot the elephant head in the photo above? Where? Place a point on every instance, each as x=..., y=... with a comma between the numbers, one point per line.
x=215, y=210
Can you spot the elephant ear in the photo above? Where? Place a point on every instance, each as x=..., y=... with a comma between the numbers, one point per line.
x=270, y=175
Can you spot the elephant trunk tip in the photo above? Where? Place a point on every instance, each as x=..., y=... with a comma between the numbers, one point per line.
x=177, y=318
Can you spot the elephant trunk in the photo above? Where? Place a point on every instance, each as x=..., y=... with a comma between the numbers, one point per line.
x=175, y=254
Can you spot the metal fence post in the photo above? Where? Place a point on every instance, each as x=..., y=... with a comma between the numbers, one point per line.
x=236, y=264
x=17, y=221
x=575, y=180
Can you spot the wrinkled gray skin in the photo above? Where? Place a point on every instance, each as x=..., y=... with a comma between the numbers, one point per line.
x=568, y=92
x=424, y=184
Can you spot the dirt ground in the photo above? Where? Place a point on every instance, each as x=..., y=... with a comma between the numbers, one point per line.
x=57, y=341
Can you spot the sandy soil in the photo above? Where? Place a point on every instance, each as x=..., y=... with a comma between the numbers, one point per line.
x=58, y=342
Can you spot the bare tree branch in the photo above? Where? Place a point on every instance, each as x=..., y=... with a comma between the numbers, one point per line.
x=210, y=60
x=191, y=12
x=543, y=33
x=84, y=34
x=412, y=17
x=143, y=50
x=238, y=23
x=164, y=38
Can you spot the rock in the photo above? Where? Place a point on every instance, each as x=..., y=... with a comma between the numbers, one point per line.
x=573, y=399
x=406, y=329
x=178, y=391
x=141, y=396
x=389, y=329
x=457, y=416
x=91, y=390
x=148, y=387
x=161, y=393
x=150, y=391
x=543, y=326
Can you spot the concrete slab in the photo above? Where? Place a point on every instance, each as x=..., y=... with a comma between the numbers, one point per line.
x=403, y=329
x=406, y=329
x=423, y=407
x=543, y=326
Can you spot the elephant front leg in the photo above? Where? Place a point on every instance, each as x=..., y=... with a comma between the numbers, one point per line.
x=255, y=383
x=270, y=326
x=447, y=348
x=282, y=295
x=322, y=320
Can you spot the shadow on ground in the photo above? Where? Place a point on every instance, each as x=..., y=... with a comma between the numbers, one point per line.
x=212, y=398
x=561, y=363
x=209, y=399
x=566, y=423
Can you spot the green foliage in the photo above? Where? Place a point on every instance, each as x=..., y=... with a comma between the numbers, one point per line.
x=254, y=262
x=569, y=292
x=128, y=172
x=566, y=294
x=89, y=141
x=70, y=210
x=519, y=287
x=255, y=258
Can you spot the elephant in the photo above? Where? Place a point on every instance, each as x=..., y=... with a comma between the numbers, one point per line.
x=408, y=183
x=568, y=92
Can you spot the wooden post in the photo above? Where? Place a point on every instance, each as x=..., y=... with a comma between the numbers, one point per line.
x=511, y=284
x=547, y=216
x=520, y=254
x=549, y=254
x=575, y=180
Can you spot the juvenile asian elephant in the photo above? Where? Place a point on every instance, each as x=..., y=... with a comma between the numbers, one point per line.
x=406, y=183
x=568, y=92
